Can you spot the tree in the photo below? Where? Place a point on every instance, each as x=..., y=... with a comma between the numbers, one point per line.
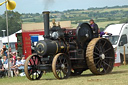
x=14, y=22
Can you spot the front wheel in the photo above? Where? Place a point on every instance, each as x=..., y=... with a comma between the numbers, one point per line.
x=31, y=70
x=61, y=66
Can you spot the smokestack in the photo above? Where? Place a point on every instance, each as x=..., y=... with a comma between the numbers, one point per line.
x=46, y=23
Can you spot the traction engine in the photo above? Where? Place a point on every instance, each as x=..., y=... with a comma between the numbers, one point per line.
x=69, y=52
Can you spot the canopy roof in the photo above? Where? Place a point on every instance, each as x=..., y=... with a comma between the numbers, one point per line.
x=12, y=38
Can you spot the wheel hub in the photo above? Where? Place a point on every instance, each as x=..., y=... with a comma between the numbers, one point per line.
x=102, y=56
x=62, y=66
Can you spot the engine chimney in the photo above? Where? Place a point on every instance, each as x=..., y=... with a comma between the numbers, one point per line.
x=46, y=23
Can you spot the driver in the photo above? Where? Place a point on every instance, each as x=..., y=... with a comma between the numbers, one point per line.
x=95, y=28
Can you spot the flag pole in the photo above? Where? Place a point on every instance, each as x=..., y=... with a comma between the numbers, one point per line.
x=9, y=70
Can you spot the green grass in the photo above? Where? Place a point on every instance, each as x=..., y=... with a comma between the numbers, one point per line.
x=119, y=76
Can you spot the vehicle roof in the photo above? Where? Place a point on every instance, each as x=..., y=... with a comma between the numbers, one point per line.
x=115, y=28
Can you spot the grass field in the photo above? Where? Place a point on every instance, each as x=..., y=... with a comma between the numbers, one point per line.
x=119, y=76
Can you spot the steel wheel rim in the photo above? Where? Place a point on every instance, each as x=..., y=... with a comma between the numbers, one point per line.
x=61, y=66
x=31, y=70
x=100, y=56
x=103, y=61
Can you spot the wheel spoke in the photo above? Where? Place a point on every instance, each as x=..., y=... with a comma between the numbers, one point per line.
x=33, y=76
x=30, y=62
x=96, y=53
x=96, y=58
x=60, y=60
x=104, y=44
x=98, y=62
x=37, y=61
x=36, y=74
x=100, y=50
x=107, y=50
x=97, y=48
x=103, y=68
x=106, y=64
x=99, y=66
x=30, y=73
x=60, y=74
x=34, y=60
x=64, y=60
x=63, y=74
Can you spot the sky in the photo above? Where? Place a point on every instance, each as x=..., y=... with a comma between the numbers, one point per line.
x=38, y=6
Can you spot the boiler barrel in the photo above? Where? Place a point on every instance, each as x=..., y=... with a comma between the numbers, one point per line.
x=49, y=47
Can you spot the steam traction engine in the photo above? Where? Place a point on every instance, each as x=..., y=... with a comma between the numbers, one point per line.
x=68, y=52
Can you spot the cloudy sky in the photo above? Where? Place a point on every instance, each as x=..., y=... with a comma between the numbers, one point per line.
x=37, y=6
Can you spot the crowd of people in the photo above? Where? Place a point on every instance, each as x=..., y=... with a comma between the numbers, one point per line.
x=16, y=63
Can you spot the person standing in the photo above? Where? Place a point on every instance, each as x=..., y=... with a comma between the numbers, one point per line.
x=4, y=51
x=95, y=28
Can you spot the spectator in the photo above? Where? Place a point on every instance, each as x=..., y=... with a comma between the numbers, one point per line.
x=2, y=71
x=14, y=58
x=6, y=63
x=4, y=60
x=18, y=64
x=22, y=64
x=94, y=27
x=21, y=68
x=23, y=60
x=6, y=46
x=10, y=49
x=4, y=51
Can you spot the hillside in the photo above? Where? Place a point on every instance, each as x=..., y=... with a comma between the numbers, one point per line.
x=103, y=16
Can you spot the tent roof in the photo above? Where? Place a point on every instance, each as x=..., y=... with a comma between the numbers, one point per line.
x=12, y=38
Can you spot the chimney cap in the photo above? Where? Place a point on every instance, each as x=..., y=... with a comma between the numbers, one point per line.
x=46, y=12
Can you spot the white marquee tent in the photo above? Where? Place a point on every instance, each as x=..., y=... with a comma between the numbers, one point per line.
x=12, y=38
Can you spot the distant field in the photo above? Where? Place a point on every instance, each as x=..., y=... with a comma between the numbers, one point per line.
x=104, y=24
x=100, y=24
x=119, y=76
x=114, y=9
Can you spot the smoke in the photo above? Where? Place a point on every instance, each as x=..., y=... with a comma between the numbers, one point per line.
x=48, y=4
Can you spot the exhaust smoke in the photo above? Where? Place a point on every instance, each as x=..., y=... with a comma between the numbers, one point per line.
x=48, y=4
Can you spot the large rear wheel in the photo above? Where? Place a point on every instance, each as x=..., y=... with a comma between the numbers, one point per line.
x=100, y=56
